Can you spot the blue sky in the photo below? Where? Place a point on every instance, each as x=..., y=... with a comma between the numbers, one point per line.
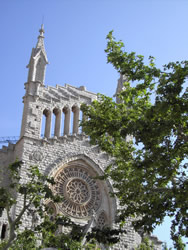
x=75, y=39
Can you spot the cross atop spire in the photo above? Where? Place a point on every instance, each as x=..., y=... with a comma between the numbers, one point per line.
x=41, y=30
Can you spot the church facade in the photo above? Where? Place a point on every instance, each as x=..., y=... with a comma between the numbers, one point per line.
x=63, y=151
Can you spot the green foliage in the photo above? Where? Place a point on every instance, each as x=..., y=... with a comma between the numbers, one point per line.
x=48, y=235
x=105, y=235
x=164, y=246
x=145, y=245
x=44, y=233
x=149, y=171
x=32, y=193
x=179, y=245
x=25, y=240
x=51, y=238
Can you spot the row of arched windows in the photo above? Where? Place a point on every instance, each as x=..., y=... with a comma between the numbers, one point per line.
x=60, y=122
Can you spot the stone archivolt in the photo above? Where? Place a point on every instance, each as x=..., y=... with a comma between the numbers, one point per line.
x=80, y=191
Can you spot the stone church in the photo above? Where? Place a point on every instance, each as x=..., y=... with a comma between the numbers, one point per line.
x=52, y=139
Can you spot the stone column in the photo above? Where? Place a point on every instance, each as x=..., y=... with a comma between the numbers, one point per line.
x=67, y=113
x=76, y=111
x=48, y=124
x=58, y=114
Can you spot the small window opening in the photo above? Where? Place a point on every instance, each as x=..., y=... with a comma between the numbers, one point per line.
x=43, y=124
x=3, y=231
x=81, y=118
x=52, y=211
x=72, y=120
x=101, y=222
x=63, y=121
x=53, y=124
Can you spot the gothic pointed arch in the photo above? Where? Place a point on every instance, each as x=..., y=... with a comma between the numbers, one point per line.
x=82, y=193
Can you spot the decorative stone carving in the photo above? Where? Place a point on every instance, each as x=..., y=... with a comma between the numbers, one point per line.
x=77, y=191
x=101, y=222
x=37, y=155
x=81, y=193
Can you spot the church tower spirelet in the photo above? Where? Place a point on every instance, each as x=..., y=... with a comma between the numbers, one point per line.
x=120, y=87
x=38, y=60
x=35, y=81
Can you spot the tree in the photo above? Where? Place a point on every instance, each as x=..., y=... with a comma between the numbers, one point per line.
x=29, y=194
x=148, y=171
x=32, y=196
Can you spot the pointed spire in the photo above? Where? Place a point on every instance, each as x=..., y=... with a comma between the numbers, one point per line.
x=40, y=43
x=120, y=86
x=38, y=60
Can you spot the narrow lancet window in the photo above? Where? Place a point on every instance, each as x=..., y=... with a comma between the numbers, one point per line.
x=43, y=123
x=81, y=119
x=53, y=124
x=3, y=231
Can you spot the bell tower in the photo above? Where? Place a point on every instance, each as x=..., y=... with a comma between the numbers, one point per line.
x=35, y=81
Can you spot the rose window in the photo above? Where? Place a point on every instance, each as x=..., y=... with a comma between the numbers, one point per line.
x=80, y=192
x=77, y=191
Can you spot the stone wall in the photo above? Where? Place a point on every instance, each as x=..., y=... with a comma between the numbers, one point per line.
x=54, y=155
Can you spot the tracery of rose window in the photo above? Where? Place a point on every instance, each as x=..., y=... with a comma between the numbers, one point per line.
x=80, y=191
x=101, y=222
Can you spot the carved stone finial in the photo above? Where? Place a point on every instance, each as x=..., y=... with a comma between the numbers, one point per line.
x=42, y=30
x=40, y=43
